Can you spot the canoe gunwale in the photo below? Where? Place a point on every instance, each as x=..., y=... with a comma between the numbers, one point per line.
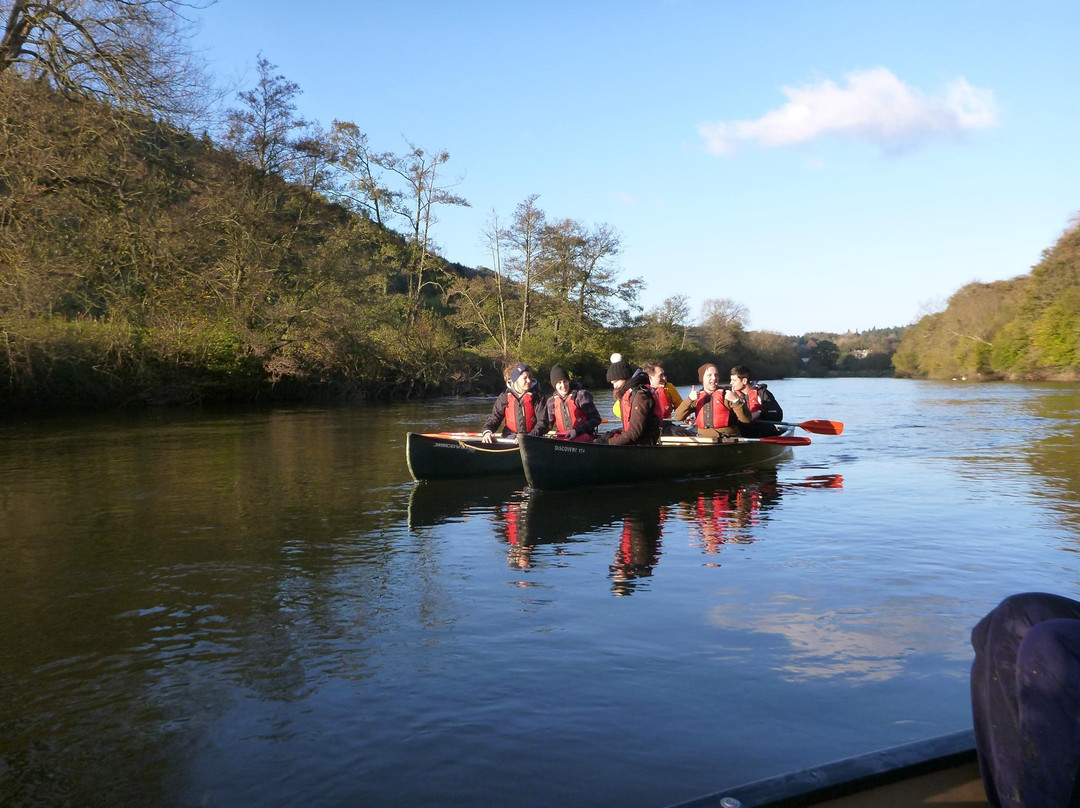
x=849, y=776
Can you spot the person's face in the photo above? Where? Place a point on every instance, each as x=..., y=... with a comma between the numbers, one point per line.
x=616, y=383
x=523, y=383
x=710, y=380
x=738, y=383
x=658, y=378
x=562, y=387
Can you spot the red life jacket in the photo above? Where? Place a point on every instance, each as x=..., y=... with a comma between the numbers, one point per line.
x=664, y=407
x=568, y=415
x=710, y=412
x=520, y=412
x=753, y=403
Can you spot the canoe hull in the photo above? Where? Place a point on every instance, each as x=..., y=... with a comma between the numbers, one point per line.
x=553, y=464
x=446, y=457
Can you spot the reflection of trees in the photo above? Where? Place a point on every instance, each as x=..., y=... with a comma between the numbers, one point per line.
x=1052, y=455
x=158, y=573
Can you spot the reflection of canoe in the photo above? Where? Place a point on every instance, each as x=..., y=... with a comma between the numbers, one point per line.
x=444, y=456
x=556, y=515
x=561, y=464
x=939, y=771
x=437, y=502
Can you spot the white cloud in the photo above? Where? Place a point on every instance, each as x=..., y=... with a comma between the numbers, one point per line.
x=875, y=107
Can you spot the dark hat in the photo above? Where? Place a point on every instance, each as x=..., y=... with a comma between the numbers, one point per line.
x=701, y=371
x=618, y=368
x=517, y=370
x=559, y=374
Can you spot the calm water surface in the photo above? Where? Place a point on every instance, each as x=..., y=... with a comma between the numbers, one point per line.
x=261, y=609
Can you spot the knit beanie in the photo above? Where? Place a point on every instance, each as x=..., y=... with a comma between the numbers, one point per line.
x=559, y=374
x=618, y=368
x=518, y=370
x=701, y=370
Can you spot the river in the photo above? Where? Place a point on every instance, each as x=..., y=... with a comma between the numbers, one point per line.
x=260, y=608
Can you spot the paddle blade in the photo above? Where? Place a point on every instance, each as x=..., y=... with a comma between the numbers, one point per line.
x=822, y=427
x=786, y=441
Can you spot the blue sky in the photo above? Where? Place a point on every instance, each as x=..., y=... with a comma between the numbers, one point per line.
x=828, y=165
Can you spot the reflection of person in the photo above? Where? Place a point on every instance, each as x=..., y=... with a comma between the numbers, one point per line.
x=520, y=405
x=639, y=550
x=636, y=406
x=520, y=553
x=716, y=411
x=721, y=520
x=1025, y=698
x=761, y=403
x=570, y=410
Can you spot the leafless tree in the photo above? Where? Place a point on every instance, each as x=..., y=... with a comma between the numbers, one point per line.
x=134, y=54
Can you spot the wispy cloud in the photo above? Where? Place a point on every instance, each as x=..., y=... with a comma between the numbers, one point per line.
x=874, y=107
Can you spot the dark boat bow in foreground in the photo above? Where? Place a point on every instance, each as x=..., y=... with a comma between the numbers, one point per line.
x=942, y=772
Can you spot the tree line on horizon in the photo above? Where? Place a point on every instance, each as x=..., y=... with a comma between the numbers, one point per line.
x=272, y=259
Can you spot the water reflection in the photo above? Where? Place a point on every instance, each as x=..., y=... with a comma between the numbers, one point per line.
x=438, y=502
x=714, y=513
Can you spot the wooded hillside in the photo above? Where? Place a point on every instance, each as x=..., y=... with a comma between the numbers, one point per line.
x=1024, y=328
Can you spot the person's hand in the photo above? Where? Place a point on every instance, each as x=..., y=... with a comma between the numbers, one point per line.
x=571, y=434
x=693, y=394
x=487, y=436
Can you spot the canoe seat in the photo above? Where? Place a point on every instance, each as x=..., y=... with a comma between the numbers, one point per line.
x=674, y=440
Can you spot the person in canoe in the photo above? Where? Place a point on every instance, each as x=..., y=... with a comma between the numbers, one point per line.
x=762, y=404
x=667, y=397
x=571, y=411
x=637, y=407
x=663, y=391
x=716, y=411
x=521, y=407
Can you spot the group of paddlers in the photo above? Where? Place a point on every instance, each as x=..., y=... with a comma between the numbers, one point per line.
x=645, y=402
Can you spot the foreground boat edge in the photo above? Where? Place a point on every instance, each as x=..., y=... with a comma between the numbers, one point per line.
x=841, y=779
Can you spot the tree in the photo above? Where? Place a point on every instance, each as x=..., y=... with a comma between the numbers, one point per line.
x=595, y=276
x=315, y=156
x=364, y=189
x=523, y=237
x=420, y=172
x=259, y=131
x=133, y=54
x=825, y=354
x=724, y=324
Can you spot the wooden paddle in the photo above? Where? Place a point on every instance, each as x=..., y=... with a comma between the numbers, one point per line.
x=783, y=440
